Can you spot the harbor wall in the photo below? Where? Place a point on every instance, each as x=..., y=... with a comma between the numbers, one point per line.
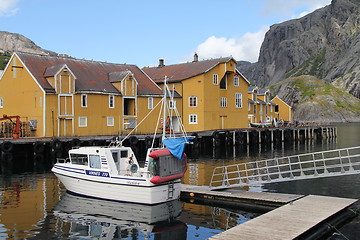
x=39, y=154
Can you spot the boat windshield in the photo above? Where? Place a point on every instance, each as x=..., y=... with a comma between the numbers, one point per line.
x=80, y=159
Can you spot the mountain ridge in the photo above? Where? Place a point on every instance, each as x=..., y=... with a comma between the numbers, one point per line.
x=324, y=44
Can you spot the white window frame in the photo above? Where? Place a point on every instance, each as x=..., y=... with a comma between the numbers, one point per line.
x=193, y=119
x=1, y=102
x=236, y=81
x=80, y=119
x=110, y=121
x=172, y=104
x=84, y=100
x=223, y=102
x=150, y=102
x=238, y=100
x=196, y=101
x=216, y=79
x=111, y=101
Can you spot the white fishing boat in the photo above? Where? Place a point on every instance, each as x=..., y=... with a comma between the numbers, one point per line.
x=114, y=173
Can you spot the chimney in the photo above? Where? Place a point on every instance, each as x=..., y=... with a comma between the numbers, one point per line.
x=196, y=57
x=161, y=63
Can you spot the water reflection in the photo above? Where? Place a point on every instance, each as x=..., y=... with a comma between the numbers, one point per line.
x=84, y=217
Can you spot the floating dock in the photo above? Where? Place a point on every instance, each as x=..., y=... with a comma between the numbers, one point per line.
x=260, y=201
x=297, y=220
x=288, y=216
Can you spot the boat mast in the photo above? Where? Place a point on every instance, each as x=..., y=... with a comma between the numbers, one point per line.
x=164, y=108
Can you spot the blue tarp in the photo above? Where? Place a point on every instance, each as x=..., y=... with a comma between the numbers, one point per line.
x=176, y=146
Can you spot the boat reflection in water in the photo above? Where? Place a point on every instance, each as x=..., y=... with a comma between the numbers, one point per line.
x=92, y=218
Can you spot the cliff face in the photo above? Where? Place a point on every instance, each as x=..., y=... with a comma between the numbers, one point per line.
x=325, y=44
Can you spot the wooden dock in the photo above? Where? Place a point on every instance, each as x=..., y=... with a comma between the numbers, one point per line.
x=244, y=199
x=291, y=221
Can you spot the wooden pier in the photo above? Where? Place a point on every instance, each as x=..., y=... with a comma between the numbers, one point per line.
x=41, y=153
x=296, y=220
x=288, y=216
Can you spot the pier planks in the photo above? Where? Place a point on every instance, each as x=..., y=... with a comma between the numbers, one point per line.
x=289, y=221
x=259, y=198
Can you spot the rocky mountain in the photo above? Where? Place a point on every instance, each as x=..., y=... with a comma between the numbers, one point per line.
x=324, y=44
x=315, y=100
x=10, y=42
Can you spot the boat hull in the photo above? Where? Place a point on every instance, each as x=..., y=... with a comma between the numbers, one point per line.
x=115, y=188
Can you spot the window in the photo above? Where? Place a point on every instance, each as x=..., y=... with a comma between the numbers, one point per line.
x=238, y=100
x=215, y=79
x=277, y=108
x=236, y=81
x=94, y=161
x=193, y=119
x=1, y=102
x=172, y=104
x=254, y=108
x=83, y=100
x=110, y=121
x=249, y=106
x=150, y=102
x=111, y=101
x=193, y=101
x=223, y=102
x=82, y=121
x=81, y=159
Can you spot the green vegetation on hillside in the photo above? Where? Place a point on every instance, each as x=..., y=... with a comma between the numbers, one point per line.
x=4, y=58
x=311, y=89
x=312, y=66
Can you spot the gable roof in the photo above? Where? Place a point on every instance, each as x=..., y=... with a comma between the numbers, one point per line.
x=277, y=97
x=263, y=91
x=90, y=75
x=182, y=71
x=251, y=89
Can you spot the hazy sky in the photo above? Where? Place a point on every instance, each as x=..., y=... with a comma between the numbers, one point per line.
x=142, y=31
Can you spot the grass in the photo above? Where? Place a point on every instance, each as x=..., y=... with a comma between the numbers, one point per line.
x=312, y=66
x=312, y=89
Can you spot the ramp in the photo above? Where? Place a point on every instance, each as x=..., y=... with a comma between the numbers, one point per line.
x=345, y=161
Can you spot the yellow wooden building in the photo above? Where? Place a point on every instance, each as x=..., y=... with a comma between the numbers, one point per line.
x=262, y=109
x=283, y=110
x=63, y=96
x=214, y=92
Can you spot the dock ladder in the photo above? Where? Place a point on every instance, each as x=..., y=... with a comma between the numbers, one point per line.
x=338, y=162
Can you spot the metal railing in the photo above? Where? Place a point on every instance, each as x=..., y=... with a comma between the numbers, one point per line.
x=330, y=163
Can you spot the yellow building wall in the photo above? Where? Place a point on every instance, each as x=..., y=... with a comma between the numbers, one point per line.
x=284, y=112
x=210, y=114
x=21, y=95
